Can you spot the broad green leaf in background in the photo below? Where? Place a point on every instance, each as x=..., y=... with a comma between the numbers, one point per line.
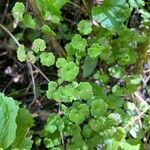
x=21, y=53
x=111, y=14
x=89, y=66
x=18, y=11
x=38, y=45
x=85, y=27
x=29, y=22
x=8, y=126
x=47, y=59
x=24, y=122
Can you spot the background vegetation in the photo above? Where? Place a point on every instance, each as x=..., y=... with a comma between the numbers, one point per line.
x=74, y=75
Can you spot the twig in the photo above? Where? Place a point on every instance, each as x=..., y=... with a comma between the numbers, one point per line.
x=137, y=117
x=33, y=83
x=11, y=35
x=74, y=4
x=29, y=65
x=139, y=99
x=40, y=72
x=147, y=71
x=61, y=133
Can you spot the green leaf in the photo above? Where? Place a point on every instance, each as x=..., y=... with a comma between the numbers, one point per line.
x=8, y=126
x=69, y=71
x=21, y=53
x=50, y=9
x=47, y=59
x=29, y=22
x=85, y=27
x=60, y=62
x=54, y=122
x=117, y=90
x=95, y=50
x=24, y=122
x=46, y=29
x=38, y=45
x=120, y=134
x=124, y=59
x=68, y=93
x=97, y=124
x=60, y=3
x=98, y=108
x=116, y=72
x=127, y=146
x=111, y=144
x=51, y=89
x=113, y=101
x=51, y=143
x=104, y=78
x=84, y=109
x=135, y=80
x=111, y=14
x=130, y=106
x=84, y=91
x=78, y=115
x=136, y=3
x=31, y=57
x=78, y=42
x=18, y=11
x=70, y=50
x=89, y=66
x=115, y=118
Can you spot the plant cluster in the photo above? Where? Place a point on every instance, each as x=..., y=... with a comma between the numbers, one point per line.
x=96, y=75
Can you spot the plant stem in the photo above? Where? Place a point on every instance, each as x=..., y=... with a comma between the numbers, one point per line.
x=11, y=35
x=142, y=49
x=53, y=40
x=138, y=117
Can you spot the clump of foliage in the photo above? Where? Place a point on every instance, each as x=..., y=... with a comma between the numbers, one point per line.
x=15, y=125
x=96, y=75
